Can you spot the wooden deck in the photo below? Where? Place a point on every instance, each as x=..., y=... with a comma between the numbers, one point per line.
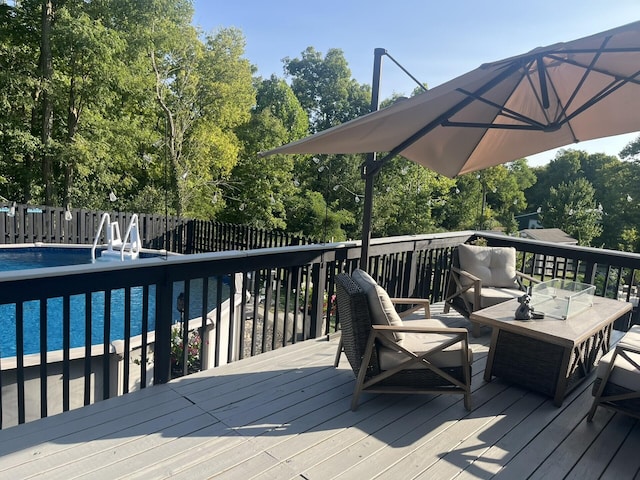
x=285, y=415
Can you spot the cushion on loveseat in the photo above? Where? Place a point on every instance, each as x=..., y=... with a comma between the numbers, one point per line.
x=423, y=342
x=624, y=373
x=494, y=266
x=381, y=309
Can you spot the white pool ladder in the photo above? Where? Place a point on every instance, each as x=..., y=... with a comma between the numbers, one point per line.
x=128, y=249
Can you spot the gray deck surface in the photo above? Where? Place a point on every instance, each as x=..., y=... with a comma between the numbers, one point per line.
x=285, y=415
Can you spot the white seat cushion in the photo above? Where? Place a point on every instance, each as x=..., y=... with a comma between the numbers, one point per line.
x=381, y=308
x=492, y=296
x=624, y=373
x=422, y=342
x=494, y=266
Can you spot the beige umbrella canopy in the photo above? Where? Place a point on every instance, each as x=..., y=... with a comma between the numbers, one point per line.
x=547, y=98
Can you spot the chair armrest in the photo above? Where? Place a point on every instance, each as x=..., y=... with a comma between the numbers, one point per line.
x=409, y=329
x=418, y=304
x=625, y=347
x=476, y=285
x=527, y=277
x=450, y=336
x=464, y=273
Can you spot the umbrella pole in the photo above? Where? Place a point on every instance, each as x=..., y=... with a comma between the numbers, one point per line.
x=367, y=211
x=369, y=170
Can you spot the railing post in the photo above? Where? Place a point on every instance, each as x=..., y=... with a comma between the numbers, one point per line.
x=590, y=273
x=410, y=274
x=162, y=351
x=189, y=237
x=318, y=277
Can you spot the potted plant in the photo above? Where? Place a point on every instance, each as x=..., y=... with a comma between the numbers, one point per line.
x=177, y=352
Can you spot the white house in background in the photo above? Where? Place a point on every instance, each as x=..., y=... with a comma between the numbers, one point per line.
x=554, y=235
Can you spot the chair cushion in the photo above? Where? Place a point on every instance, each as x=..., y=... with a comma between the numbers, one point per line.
x=624, y=373
x=494, y=266
x=382, y=310
x=492, y=296
x=422, y=342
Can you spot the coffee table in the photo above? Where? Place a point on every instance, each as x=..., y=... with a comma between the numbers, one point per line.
x=549, y=356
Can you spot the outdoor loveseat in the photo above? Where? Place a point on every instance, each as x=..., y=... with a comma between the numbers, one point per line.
x=617, y=383
x=481, y=277
x=388, y=354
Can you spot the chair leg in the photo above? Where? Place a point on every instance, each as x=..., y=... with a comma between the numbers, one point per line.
x=599, y=392
x=475, y=329
x=447, y=307
x=592, y=411
x=467, y=401
x=336, y=362
x=355, y=397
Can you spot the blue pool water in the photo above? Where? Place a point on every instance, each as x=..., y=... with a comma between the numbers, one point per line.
x=26, y=258
x=40, y=257
x=77, y=315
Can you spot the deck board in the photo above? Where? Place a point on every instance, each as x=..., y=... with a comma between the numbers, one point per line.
x=626, y=462
x=286, y=414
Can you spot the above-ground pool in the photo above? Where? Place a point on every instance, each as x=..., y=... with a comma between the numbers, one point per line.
x=12, y=259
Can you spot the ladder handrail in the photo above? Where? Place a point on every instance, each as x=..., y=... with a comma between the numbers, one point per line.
x=135, y=243
x=131, y=238
x=105, y=217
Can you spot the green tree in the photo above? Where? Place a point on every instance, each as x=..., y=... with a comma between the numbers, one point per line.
x=619, y=195
x=566, y=166
x=326, y=91
x=507, y=197
x=310, y=215
x=204, y=92
x=407, y=199
x=259, y=188
x=571, y=207
x=616, y=187
x=632, y=150
x=87, y=69
x=19, y=139
x=325, y=88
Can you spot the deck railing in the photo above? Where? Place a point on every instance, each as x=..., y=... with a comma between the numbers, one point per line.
x=279, y=296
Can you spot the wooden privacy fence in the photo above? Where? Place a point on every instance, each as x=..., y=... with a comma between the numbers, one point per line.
x=32, y=224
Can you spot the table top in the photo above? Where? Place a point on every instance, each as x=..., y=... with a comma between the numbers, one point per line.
x=569, y=332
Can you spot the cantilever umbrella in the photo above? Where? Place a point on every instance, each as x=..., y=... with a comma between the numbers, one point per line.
x=546, y=98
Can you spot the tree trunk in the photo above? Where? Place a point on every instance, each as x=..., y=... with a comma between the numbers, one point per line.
x=46, y=74
x=73, y=117
x=171, y=134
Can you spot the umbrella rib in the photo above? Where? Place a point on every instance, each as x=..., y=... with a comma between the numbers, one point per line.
x=506, y=112
x=586, y=73
x=608, y=90
x=372, y=169
x=613, y=86
x=603, y=71
x=501, y=126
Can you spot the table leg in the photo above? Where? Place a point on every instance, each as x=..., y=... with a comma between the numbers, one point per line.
x=561, y=384
x=492, y=352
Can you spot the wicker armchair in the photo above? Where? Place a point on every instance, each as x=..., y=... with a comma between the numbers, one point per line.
x=440, y=364
x=481, y=277
x=617, y=383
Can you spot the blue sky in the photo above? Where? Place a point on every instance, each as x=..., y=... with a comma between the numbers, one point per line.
x=434, y=40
